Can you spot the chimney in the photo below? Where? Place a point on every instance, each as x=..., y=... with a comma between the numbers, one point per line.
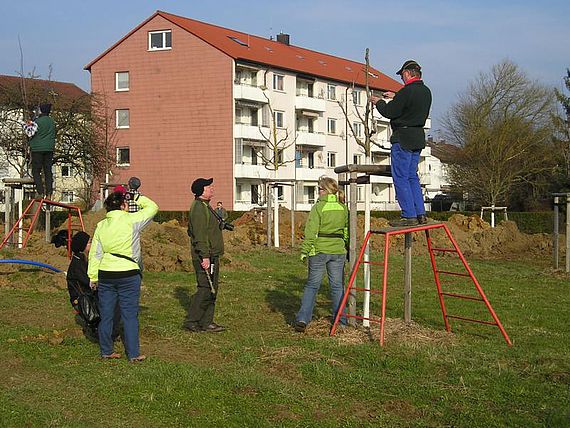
x=283, y=38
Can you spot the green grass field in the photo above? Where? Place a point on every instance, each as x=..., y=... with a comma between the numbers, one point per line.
x=261, y=373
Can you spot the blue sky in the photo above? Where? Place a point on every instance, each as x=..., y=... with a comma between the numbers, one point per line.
x=452, y=40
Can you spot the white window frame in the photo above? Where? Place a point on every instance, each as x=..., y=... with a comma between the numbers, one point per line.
x=67, y=196
x=331, y=159
x=357, y=159
x=119, y=149
x=331, y=92
x=357, y=127
x=356, y=97
x=331, y=129
x=279, y=114
x=69, y=171
x=117, y=122
x=278, y=82
x=164, y=47
x=117, y=88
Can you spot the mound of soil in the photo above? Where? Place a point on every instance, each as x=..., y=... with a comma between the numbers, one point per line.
x=166, y=245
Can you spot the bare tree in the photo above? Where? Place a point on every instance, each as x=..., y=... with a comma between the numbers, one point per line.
x=83, y=136
x=502, y=124
x=561, y=122
x=277, y=141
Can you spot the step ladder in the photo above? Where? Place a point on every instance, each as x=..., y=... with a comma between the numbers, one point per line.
x=30, y=216
x=437, y=272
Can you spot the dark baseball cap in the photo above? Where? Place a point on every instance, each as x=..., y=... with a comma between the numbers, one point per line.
x=409, y=65
x=199, y=184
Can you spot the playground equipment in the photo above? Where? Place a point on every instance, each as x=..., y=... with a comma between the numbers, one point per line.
x=437, y=271
x=18, y=232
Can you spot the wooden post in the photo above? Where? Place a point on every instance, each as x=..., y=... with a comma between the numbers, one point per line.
x=353, y=207
x=48, y=222
x=7, y=209
x=408, y=277
x=555, y=233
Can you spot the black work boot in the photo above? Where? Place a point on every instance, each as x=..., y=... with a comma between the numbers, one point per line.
x=422, y=219
x=404, y=222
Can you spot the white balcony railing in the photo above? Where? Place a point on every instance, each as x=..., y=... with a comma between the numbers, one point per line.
x=317, y=139
x=310, y=103
x=250, y=132
x=248, y=92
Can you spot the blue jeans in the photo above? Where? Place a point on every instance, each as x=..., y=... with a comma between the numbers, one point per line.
x=127, y=292
x=333, y=264
x=406, y=181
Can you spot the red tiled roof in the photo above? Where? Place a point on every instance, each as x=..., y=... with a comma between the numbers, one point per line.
x=276, y=54
x=38, y=86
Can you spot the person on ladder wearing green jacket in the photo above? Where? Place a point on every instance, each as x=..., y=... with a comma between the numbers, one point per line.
x=326, y=239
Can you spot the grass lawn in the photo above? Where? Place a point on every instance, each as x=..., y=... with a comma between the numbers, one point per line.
x=261, y=373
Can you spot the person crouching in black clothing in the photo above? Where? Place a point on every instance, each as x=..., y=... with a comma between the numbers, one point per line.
x=78, y=284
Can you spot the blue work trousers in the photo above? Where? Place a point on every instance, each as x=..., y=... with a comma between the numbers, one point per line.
x=333, y=265
x=406, y=181
x=127, y=292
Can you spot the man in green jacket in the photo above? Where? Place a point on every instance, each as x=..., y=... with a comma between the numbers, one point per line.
x=207, y=245
x=408, y=111
x=42, y=146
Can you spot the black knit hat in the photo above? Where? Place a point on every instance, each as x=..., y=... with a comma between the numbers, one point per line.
x=409, y=65
x=199, y=184
x=45, y=108
x=79, y=242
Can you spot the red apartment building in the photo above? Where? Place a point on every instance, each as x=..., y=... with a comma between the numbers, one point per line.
x=190, y=99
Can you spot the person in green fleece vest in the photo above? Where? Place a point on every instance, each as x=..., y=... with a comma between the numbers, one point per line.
x=326, y=239
x=42, y=146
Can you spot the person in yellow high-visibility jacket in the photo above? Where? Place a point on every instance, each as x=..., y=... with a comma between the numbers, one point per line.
x=114, y=270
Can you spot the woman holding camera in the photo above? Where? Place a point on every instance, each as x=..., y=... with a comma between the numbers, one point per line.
x=326, y=238
x=114, y=270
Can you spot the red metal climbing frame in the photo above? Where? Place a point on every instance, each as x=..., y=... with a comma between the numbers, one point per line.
x=389, y=232
x=32, y=212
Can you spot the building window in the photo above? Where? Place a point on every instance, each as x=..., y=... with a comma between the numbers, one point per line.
x=357, y=159
x=356, y=97
x=159, y=40
x=122, y=118
x=123, y=156
x=280, y=156
x=255, y=194
x=357, y=128
x=278, y=82
x=331, y=126
x=279, y=119
x=331, y=159
x=67, y=196
x=122, y=81
x=280, y=194
x=66, y=171
x=331, y=92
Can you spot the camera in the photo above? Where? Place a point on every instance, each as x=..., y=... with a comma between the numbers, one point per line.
x=224, y=225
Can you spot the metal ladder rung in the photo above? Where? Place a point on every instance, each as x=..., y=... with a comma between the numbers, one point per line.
x=472, y=320
x=358, y=317
x=462, y=296
x=453, y=273
x=445, y=250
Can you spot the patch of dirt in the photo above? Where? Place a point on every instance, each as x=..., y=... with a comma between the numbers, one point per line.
x=166, y=245
x=395, y=330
